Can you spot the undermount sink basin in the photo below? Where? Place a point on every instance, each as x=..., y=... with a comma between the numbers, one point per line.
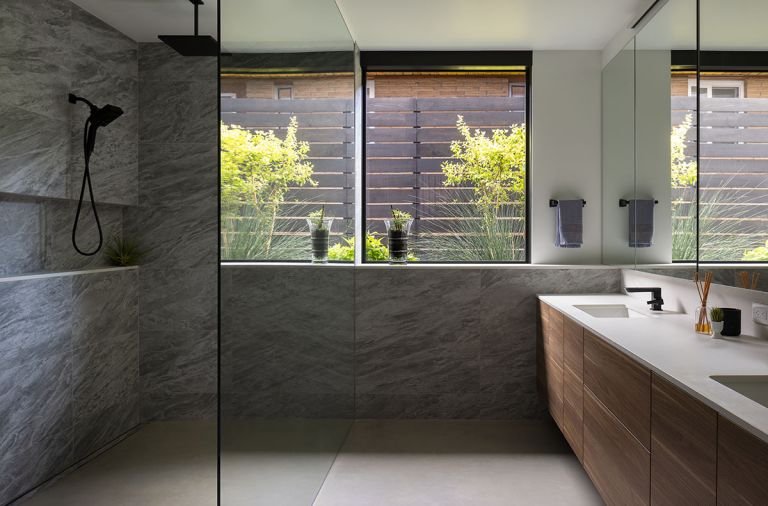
x=609, y=311
x=751, y=387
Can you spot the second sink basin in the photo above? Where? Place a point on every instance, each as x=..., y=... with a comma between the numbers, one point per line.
x=752, y=387
x=609, y=311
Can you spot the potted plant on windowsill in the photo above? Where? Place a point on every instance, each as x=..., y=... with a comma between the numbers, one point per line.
x=320, y=232
x=397, y=233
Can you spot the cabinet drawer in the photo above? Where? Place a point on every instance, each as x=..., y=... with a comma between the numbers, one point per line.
x=573, y=411
x=621, y=384
x=619, y=466
x=573, y=347
x=742, y=466
x=552, y=335
x=683, y=448
x=554, y=386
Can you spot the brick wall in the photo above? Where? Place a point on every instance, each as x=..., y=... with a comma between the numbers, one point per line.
x=410, y=84
x=755, y=86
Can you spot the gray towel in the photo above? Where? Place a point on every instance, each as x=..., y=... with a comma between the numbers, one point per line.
x=641, y=223
x=569, y=224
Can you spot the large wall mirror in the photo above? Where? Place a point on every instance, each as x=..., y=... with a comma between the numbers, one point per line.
x=685, y=148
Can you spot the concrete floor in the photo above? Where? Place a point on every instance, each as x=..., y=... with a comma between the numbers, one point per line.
x=332, y=463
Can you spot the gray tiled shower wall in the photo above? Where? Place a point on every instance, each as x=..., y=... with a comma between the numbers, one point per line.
x=380, y=342
x=73, y=372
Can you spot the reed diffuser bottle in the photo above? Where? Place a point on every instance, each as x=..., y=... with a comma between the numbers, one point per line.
x=702, y=324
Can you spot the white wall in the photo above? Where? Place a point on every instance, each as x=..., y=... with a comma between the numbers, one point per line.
x=680, y=295
x=565, y=150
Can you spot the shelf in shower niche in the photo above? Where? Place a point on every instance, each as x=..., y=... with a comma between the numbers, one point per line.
x=27, y=197
x=59, y=274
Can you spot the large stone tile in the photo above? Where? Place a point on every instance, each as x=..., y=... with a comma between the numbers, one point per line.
x=290, y=330
x=91, y=36
x=34, y=150
x=104, y=305
x=287, y=404
x=59, y=253
x=417, y=331
x=178, y=362
x=20, y=248
x=183, y=300
x=105, y=391
x=160, y=63
x=178, y=175
x=176, y=237
x=178, y=407
x=35, y=322
x=184, y=112
x=35, y=56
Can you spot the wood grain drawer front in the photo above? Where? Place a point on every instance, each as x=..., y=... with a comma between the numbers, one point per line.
x=742, y=466
x=619, y=466
x=573, y=411
x=683, y=448
x=573, y=347
x=554, y=383
x=621, y=384
x=552, y=333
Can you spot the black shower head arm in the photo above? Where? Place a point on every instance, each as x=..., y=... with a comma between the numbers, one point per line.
x=73, y=99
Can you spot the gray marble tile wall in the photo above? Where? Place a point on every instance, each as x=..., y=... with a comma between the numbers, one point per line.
x=49, y=48
x=423, y=342
x=177, y=224
x=68, y=372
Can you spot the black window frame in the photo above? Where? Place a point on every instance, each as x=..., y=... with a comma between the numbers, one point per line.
x=456, y=61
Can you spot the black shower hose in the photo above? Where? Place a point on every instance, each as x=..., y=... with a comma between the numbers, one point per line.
x=89, y=141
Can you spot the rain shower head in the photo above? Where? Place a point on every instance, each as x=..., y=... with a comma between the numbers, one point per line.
x=192, y=45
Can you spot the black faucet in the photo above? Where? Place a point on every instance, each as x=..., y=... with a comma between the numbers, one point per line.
x=655, y=302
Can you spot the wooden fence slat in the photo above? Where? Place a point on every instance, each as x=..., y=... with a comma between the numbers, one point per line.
x=724, y=119
x=272, y=121
x=391, y=120
x=471, y=104
x=333, y=165
x=500, y=120
x=287, y=106
x=391, y=104
x=325, y=134
x=733, y=165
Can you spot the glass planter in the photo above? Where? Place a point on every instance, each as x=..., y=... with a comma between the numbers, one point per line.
x=702, y=325
x=320, y=232
x=397, y=233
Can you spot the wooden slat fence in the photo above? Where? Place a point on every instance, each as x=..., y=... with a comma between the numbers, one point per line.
x=328, y=126
x=733, y=167
x=407, y=140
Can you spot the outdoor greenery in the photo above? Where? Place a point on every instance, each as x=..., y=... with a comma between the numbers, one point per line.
x=257, y=169
x=399, y=220
x=375, y=250
x=122, y=252
x=492, y=227
x=759, y=254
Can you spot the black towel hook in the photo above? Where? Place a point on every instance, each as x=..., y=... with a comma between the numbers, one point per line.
x=625, y=202
x=555, y=203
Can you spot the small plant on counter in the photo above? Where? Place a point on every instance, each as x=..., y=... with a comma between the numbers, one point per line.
x=320, y=231
x=375, y=250
x=397, y=233
x=122, y=252
x=718, y=318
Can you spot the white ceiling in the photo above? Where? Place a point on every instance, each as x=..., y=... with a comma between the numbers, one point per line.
x=487, y=24
x=380, y=24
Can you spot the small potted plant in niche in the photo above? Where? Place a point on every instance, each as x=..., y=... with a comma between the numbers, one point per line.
x=397, y=233
x=718, y=320
x=122, y=252
x=320, y=232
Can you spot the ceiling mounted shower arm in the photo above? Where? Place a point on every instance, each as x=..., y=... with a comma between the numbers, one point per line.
x=197, y=4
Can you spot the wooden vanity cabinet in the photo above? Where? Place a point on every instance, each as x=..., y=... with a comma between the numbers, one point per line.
x=616, y=462
x=742, y=466
x=551, y=360
x=573, y=385
x=683, y=448
x=621, y=384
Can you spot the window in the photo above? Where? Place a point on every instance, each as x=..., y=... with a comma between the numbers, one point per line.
x=425, y=129
x=730, y=178
x=287, y=151
x=717, y=88
x=283, y=92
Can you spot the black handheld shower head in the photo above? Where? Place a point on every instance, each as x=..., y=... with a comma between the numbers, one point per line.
x=105, y=115
x=99, y=117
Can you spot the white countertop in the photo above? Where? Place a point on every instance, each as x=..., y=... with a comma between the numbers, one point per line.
x=667, y=344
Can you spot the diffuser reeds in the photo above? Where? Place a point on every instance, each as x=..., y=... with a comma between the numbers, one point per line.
x=703, y=325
